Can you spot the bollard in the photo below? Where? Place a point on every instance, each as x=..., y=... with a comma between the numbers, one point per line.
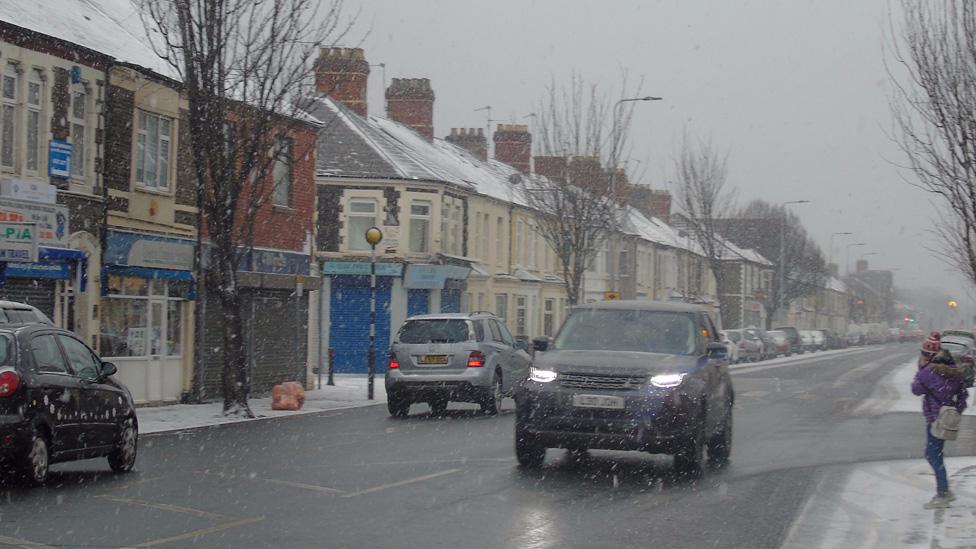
x=331, y=380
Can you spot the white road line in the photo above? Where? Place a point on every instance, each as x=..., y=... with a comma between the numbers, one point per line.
x=303, y=486
x=402, y=483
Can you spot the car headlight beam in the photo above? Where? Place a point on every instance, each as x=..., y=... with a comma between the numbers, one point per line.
x=542, y=376
x=667, y=381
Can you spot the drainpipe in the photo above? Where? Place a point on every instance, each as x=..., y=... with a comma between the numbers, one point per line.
x=103, y=233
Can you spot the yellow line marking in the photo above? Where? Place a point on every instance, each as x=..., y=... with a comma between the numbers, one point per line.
x=128, y=485
x=23, y=543
x=401, y=483
x=303, y=486
x=164, y=507
x=202, y=532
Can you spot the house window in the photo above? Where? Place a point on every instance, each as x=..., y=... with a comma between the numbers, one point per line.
x=501, y=306
x=362, y=216
x=35, y=94
x=8, y=117
x=77, y=123
x=281, y=173
x=499, y=240
x=519, y=244
x=531, y=245
x=420, y=227
x=549, y=306
x=153, y=154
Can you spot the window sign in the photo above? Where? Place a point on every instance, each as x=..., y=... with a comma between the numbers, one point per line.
x=59, y=159
x=18, y=242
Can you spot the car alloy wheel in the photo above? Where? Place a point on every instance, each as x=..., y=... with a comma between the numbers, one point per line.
x=38, y=459
x=123, y=458
x=493, y=401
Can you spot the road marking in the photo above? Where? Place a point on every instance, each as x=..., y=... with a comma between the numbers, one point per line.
x=303, y=486
x=23, y=543
x=127, y=485
x=848, y=375
x=402, y=483
x=202, y=532
x=164, y=507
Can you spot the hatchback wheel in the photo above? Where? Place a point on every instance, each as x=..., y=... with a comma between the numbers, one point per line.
x=397, y=405
x=492, y=402
x=123, y=457
x=37, y=462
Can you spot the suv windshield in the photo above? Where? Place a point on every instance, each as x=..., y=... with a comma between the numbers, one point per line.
x=434, y=331
x=623, y=330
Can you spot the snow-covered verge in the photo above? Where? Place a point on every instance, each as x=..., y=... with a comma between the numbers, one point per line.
x=793, y=359
x=894, y=394
x=880, y=505
x=349, y=392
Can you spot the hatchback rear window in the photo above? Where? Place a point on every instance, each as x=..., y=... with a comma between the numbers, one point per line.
x=21, y=316
x=434, y=331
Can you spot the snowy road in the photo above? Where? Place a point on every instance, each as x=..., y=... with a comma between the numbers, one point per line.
x=355, y=478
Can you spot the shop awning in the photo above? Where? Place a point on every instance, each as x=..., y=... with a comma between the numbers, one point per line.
x=147, y=272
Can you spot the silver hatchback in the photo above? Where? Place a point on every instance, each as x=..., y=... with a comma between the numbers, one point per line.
x=454, y=357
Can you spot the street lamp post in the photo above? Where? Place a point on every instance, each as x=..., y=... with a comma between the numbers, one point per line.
x=847, y=260
x=373, y=236
x=830, y=252
x=782, y=256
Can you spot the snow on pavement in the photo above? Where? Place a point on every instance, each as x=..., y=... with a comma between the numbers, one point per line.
x=349, y=392
x=894, y=394
x=879, y=505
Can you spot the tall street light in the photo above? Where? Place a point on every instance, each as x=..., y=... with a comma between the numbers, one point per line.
x=782, y=255
x=373, y=236
x=847, y=260
x=830, y=252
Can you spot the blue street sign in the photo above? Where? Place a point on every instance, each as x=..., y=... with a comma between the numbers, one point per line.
x=59, y=159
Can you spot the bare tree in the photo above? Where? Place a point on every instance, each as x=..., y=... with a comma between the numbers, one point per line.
x=578, y=209
x=246, y=68
x=934, y=116
x=704, y=199
x=761, y=226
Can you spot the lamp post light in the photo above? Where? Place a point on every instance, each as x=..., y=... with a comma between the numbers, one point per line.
x=781, y=302
x=373, y=236
x=830, y=252
x=847, y=260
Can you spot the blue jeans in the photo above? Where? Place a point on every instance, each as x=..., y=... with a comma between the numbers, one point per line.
x=933, y=453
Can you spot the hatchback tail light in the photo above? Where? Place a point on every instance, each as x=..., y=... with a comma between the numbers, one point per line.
x=476, y=359
x=9, y=382
x=394, y=363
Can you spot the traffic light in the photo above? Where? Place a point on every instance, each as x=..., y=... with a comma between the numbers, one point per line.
x=952, y=304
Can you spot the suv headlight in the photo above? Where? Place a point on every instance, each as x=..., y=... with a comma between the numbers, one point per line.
x=542, y=376
x=667, y=380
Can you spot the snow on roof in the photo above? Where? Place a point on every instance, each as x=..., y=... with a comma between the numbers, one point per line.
x=110, y=27
x=836, y=285
x=732, y=252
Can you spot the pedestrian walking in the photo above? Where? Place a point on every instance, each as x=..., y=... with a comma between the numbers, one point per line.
x=939, y=382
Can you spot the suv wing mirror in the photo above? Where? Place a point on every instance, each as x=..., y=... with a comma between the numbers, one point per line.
x=107, y=369
x=540, y=344
x=717, y=351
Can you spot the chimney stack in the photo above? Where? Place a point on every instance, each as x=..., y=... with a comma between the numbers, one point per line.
x=862, y=266
x=471, y=139
x=341, y=73
x=553, y=167
x=513, y=146
x=651, y=202
x=410, y=101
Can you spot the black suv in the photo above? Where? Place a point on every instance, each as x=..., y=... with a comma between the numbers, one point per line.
x=629, y=375
x=58, y=402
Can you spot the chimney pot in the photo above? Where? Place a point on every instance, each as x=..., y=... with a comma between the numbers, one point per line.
x=342, y=74
x=513, y=146
x=410, y=101
x=474, y=142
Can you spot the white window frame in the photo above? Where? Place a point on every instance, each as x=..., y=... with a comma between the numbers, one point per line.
x=282, y=175
x=519, y=242
x=417, y=218
x=10, y=71
x=530, y=245
x=351, y=214
x=37, y=77
x=158, y=184
x=79, y=150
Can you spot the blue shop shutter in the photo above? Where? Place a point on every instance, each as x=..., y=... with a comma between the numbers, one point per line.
x=418, y=302
x=349, y=323
x=450, y=301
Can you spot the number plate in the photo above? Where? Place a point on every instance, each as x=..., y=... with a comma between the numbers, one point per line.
x=433, y=359
x=598, y=401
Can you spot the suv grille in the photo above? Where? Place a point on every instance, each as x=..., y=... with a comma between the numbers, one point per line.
x=577, y=381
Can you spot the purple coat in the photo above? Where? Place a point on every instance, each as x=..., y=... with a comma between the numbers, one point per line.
x=938, y=391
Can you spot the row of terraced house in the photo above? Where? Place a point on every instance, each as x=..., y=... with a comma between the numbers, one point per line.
x=117, y=258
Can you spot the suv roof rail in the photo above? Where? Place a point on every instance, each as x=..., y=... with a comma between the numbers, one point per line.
x=482, y=313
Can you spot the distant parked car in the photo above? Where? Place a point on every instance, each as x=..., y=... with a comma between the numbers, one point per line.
x=796, y=344
x=961, y=333
x=60, y=402
x=13, y=312
x=819, y=340
x=756, y=336
x=962, y=349
x=780, y=344
x=806, y=340
x=454, y=357
x=731, y=342
x=834, y=341
x=749, y=344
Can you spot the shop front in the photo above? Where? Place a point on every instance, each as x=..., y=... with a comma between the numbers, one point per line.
x=146, y=328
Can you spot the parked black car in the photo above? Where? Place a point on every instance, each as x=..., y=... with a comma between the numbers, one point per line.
x=628, y=375
x=58, y=402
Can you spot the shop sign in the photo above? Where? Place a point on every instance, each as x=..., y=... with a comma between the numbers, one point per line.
x=61, y=271
x=360, y=268
x=155, y=252
x=277, y=262
x=51, y=220
x=59, y=159
x=432, y=277
x=19, y=189
x=18, y=242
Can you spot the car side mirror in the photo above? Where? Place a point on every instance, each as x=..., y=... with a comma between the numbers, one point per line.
x=717, y=351
x=108, y=369
x=540, y=344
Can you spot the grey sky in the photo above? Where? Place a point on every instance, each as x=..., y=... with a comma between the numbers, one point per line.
x=796, y=91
